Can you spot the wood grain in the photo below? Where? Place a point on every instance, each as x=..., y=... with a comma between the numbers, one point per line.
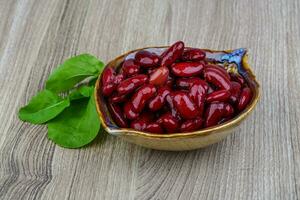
x=260, y=161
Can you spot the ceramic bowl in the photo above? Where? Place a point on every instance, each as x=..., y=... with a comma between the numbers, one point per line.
x=234, y=61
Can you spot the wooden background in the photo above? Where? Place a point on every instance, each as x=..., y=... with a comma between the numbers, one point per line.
x=260, y=161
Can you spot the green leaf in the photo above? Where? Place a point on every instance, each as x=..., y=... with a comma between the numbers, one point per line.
x=43, y=107
x=76, y=126
x=81, y=92
x=72, y=71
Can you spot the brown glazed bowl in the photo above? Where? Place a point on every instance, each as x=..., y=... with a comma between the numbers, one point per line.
x=234, y=61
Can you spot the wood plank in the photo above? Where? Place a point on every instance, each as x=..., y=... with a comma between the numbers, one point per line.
x=260, y=161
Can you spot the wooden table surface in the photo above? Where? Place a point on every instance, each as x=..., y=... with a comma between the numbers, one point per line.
x=260, y=161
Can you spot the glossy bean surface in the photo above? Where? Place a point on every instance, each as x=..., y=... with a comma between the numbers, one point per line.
x=130, y=84
x=141, y=96
x=187, y=69
x=184, y=105
x=169, y=123
x=159, y=100
x=130, y=67
x=220, y=95
x=146, y=59
x=216, y=78
x=191, y=125
x=193, y=54
x=245, y=98
x=159, y=76
x=117, y=115
x=172, y=54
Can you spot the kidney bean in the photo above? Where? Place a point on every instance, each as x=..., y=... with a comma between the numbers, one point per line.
x=229, y=110
x=193, y=54
x=184, y=105
x=158, y=101
x=245, y=97
x=191, y=125
x=187, y=69
x=169, y=122
x=146, y=59
x=128, y=111
x=129, y=85
x=130, y=67
x=218, y=68
x=140, y=98
x=154, y=128
x=159, y=76
x=238, y=78
x=119, y=78
x=108, y=77
x=117, y=98
x=216, y=111
x=117, y=115
x=172, y=54
x=174, y=112
x=142, y=122
x=189, y=82
x=108, y=89
x=138, y=124
x=220, y=95
x=197, y=93
x=235, y=92
x=216, y=78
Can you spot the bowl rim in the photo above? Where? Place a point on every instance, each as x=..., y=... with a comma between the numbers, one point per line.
x=202, y=132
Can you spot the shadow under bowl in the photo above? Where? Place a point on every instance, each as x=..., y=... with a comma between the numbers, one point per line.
x=235, y=60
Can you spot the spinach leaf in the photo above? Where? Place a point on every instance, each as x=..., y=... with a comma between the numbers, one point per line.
x=72, y=71
x=76, y=126
x=81, y=92
x=44, y=106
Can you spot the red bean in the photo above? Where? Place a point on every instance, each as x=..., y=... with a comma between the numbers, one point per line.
x=154, y=128
x=169, y=122
x=216, y=78
x=216, y=111
x=191, y=125
x=159, y=76
x=142, y=122
x=188, y=82
x=218, y=68
x=117, y=98
x=158, y=101
x=117, y=115
x=193, y=54
x=108, y=77
x=128, y=111
x=140, y=98
x=174, y=112
x=129, y=85
x=235, y=92
x=238, y=78
x=187, y=69
x=119, y=78
x=245, y=97
x=172, y=54
x=146, y=59
x=130, y=67
x=138, y=124
x=184, y=105
x=198, y=93
x=220, y=95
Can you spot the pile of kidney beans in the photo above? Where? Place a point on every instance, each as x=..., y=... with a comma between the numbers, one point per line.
x=177, y=91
